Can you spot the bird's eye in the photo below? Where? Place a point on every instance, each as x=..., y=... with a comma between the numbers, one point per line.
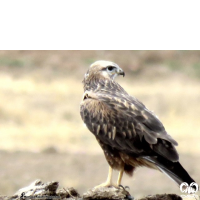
x=110, y=68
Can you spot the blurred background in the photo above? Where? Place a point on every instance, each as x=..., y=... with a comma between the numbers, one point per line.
x=43, y=137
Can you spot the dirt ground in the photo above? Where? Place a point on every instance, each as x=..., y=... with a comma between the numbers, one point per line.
x=42, y=135
x=82, y=171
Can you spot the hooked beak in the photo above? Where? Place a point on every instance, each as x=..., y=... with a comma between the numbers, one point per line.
x=120, y=72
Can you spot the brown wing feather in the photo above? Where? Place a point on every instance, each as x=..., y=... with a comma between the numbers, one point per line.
x=125, y=124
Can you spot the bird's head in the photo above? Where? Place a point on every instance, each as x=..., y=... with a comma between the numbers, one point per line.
x=104, y=69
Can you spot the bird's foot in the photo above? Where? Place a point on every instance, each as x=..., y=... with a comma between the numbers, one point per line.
x=107, y=184
x=127, y=188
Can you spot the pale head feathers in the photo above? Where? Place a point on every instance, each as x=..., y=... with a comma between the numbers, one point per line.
x=104, y=69
x=103, y=63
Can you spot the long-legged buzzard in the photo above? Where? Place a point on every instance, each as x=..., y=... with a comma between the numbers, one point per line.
x=129, y=134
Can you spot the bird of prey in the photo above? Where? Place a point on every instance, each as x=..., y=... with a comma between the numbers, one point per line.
x=129, y=134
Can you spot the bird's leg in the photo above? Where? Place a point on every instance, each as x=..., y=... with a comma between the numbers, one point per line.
x=120, y=177
x=108, y=181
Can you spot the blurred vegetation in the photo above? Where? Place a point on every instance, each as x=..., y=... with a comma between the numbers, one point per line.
x=40, y=92
x=132, y=61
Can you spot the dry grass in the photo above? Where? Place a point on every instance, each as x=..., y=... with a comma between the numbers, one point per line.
x=38, y=114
